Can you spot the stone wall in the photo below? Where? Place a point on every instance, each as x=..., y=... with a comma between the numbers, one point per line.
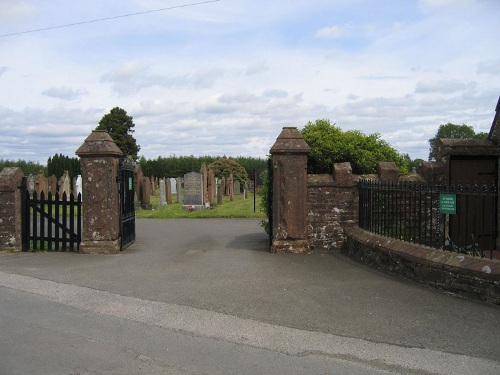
x=458, y=273
x=332, y=207
x=10, y=208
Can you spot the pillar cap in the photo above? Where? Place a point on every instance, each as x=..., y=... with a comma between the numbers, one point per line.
x=290, y=141
x=99, y=143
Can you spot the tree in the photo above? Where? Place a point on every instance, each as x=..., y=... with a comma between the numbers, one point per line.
x=329, y=144
x=455, y=131
x=223, y=167
x=120, y=126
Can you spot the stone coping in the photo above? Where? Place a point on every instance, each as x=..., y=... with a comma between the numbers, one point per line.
x=487, y=269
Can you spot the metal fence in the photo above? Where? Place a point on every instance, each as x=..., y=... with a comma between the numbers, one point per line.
x=461, y=218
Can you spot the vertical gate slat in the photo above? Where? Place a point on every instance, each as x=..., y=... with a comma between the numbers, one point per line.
x=64, y=220
x=42, y=221
x=34, y=229
x=51, y=213
x=72, y=221
x=56, y=217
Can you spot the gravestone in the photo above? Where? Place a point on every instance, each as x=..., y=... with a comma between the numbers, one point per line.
x=31, y=184
x=193, y=191
x=64, y=185
x=178, y=187
x=220, y=191
x=237, y=187
x=230, y=183
x=168, y=187
x=146, y=194
x=79, y=189
x=41, y=184
x=173, y=184
x=211, y=187
x=53, y=184
x=163, y=193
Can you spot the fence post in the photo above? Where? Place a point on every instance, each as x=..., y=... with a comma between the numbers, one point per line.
x=99, y=160
x=289, y=163
x=10, y=208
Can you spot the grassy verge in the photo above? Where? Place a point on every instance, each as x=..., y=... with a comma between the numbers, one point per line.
x=239, y=208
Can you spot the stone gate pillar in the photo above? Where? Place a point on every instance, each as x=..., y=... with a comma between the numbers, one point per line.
x=289, y=162
x=10, y=208
x=99, y=161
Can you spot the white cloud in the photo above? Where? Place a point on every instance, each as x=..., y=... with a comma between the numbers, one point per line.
x=489, y=67
x=332, y=32
x=443, y=86
x=64, y=93
x=3, y=69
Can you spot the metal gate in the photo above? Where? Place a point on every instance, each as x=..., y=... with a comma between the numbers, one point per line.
x=127, y=209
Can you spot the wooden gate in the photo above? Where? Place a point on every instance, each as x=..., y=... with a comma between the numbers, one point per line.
x=127, y=209
x=477, y=200
x=52, y=222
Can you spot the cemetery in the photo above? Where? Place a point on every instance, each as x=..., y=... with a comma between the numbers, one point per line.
x=307, y=212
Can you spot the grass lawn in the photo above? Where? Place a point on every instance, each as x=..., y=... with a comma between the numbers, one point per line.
x=239, y=208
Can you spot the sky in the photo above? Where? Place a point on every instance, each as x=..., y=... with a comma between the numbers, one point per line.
x=224, y=77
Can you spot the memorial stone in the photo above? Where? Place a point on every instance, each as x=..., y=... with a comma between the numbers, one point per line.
x=169, y=191
x=53, y=184
x=79, y=189
x=31, y=184
x=193, y=191
x=41, y=184
x=173, y=184
x=237, y=187
x=163, y=193
x=64, y=185
x=146, y=193
x=178, y=188
x=230, y=184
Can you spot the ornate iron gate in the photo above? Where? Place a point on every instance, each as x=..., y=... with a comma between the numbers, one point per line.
x=127, y=210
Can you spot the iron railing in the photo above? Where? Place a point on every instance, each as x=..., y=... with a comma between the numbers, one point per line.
x=461, y=218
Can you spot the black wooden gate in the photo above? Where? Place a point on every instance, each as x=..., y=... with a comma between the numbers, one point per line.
x=127, y=209
x=50, y=222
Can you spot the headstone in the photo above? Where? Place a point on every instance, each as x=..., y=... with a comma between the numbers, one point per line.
x=173, y=184
x=163, y=193
x=138, y=176
x=237, y=187
x=146, y=193
x=41, y=184
x=31, y=184
x=204, y=178
x=211, y=187
x=53, y=184
x=230, y=184
x=178, y=188
x=64, y=185
x=193, y=191
x=220, y=190
x=79, y=189
x=169, y=191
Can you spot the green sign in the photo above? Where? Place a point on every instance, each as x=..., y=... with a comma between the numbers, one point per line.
x=448, y=204
x=130, y=183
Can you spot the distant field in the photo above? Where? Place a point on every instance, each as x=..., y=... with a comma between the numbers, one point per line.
x=239, y=208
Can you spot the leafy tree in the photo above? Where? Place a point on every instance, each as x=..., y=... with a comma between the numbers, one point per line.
x=329, y=144
x=455, y=131
x=28, y=167
x=59, y=163
x=223, y=167
x=120, y=126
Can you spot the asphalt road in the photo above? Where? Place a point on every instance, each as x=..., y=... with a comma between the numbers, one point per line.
x=210, y=287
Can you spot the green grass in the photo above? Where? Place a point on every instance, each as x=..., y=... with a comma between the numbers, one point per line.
x=238, y=208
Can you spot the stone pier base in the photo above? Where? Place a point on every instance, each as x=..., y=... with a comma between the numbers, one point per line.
x=290, y=246
x=100, y=247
